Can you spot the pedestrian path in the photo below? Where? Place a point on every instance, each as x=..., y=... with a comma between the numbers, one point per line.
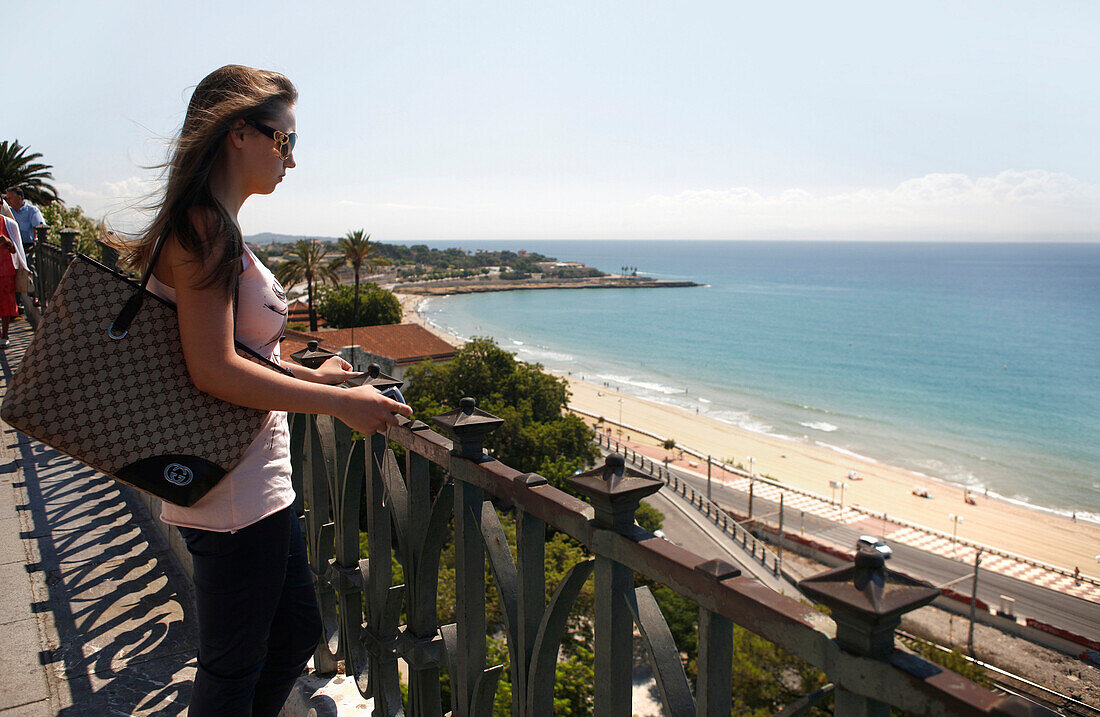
x=1035, y=574
x=795, y=500
x=96, y=617
x=798, y=501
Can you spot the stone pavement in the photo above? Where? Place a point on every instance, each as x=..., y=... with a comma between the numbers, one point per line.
x=96, y=616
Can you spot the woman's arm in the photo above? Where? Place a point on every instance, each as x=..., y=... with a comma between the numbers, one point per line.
x=206, y=334
x=8, y=225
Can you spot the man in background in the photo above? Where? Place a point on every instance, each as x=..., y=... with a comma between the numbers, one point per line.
x=27, y=216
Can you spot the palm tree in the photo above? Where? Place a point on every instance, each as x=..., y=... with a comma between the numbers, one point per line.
x=355, y=248
x=305, y=262
x=19, y=169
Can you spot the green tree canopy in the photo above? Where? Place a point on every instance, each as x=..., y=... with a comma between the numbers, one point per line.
x=374, y=305
x=649, y=517
x=536, y=436
x=355, y=248
x=18, y=168
x=91, y=232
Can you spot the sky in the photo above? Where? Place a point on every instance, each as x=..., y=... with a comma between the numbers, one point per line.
x=594, y=120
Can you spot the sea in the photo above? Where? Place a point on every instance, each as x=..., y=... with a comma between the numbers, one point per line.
x=976, y=364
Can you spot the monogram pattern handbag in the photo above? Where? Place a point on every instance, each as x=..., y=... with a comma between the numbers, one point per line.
x=104, y=381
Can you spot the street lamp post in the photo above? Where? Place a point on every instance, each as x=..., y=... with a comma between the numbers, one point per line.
x=956, y=519
x=620, y=417
x=752, y=482
x=973, y=602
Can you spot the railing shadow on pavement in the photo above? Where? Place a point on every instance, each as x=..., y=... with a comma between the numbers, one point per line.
x=103, y=584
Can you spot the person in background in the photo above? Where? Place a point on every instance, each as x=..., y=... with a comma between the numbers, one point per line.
x=27, y=216
x=24, y=297
x=11, y=258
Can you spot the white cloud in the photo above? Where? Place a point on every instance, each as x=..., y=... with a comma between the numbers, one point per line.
x=1029, y=202
x=118, y=202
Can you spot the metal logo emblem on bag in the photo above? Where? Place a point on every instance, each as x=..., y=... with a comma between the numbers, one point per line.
x=178, y=474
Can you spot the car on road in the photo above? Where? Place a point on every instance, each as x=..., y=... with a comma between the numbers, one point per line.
x=876, y=544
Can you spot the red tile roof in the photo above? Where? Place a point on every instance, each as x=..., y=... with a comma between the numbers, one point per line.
x=404, y=343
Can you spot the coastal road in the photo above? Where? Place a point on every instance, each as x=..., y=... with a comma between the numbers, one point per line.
x=697, y=534
x=1065, y=611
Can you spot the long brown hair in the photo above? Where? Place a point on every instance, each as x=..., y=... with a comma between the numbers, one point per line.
x=225, y=95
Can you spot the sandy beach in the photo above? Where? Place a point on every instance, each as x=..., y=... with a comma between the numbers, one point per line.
x=880, y=487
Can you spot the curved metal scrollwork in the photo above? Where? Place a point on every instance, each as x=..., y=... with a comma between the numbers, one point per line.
x=664, y=656
x=536, y=672
x=540, y=681
x=420, y=531
x=310, y=462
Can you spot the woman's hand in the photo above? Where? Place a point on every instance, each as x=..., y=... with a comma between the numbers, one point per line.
x=366, y=410
x=333, y=371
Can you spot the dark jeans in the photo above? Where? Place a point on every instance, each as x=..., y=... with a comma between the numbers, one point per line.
x=258, y=617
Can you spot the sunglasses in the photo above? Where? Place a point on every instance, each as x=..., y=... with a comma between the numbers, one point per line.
x=284, y=142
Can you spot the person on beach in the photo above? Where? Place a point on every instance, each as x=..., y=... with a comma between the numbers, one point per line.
x=257, y=614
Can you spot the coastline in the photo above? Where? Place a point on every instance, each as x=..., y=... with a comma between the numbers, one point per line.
x=446, y=287
x=1029, y=531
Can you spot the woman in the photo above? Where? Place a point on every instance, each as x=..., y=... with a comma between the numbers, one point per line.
x=11, y=258
x=258, y=619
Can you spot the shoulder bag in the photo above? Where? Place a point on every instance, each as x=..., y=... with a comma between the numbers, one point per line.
x=23, y=283
x=112, y=390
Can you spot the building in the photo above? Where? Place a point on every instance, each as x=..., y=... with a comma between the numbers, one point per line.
x=394, y=347
x=298, y=311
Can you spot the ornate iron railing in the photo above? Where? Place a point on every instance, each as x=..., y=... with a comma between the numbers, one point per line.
x=335, y=474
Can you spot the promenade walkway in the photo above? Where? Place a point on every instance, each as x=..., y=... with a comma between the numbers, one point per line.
x=96, y=617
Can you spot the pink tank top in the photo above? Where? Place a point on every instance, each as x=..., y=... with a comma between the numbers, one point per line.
x=260, y=484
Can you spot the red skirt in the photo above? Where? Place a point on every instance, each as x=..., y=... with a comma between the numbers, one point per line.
x=7, y=296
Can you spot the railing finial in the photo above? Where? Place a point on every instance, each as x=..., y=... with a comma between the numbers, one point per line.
x=615, y=491
x=312, y=356
x=469, y=426
x=867, y=601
